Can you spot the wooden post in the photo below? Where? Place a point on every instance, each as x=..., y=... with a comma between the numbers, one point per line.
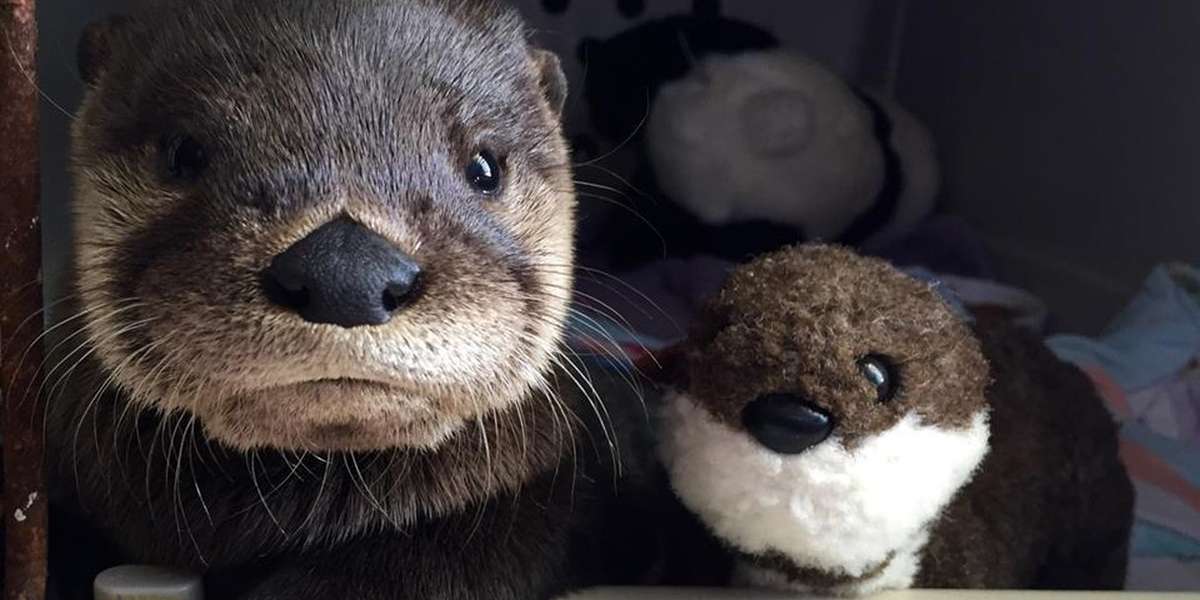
x=25, y=502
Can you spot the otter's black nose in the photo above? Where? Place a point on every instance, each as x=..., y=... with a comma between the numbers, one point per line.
x=342, y=274
x=786, y=423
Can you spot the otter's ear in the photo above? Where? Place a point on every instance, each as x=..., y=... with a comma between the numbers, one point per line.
x=554, y=82
x=94, y=51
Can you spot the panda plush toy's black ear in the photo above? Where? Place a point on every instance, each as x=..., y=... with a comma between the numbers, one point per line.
x=553, y=80
x=93, y=54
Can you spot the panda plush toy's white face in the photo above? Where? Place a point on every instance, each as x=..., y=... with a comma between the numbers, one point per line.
x=765, y=136
x=775, y=136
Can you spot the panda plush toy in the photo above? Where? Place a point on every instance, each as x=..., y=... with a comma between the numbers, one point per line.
x=775, y=136
x=741, y=147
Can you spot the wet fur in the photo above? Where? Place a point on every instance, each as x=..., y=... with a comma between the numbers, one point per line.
x=367, y=109
x=468, y=459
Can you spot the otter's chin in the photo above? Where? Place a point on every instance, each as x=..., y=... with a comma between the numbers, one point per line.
x=332, y=415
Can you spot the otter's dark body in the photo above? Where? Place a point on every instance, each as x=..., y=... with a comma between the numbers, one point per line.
x=1051, y=506
x=280, y=525
x=441, y=451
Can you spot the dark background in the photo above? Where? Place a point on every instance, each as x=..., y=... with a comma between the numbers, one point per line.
x=1068, y=130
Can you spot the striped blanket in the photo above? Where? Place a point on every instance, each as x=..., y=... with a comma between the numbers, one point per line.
x=1147, y=367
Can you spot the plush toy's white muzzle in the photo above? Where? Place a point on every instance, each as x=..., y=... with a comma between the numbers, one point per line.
x=843, y=512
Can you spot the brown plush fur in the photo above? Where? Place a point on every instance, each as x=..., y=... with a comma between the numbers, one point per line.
x=798, y=322
x=1051, y=503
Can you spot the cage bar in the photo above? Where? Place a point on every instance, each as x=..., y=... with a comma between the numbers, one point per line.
x=25, y=501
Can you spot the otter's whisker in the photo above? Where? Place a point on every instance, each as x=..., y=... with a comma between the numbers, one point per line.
x=610, y=349
x=622, y=365
x=662, y=240
x=180, y=510
x=641, y=296
x=591, y=395
x=312, y=511
x=600, y=407
x=46, y=330
x=250, y=460
x=191, y=433
x=356, y=477
x=562, y=426
x=92, y=403
x=83, y=416
x=82, y=344
x=132, y=405
x=568, y=414
x=620, y=179
x=625, y=142
x=92, y=348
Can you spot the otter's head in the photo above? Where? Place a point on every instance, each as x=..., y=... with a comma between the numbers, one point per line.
x=322, y=225
x=828, y=407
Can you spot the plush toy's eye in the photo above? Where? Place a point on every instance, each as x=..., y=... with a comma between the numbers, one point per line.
x=879, y=371
x=483, y=172
x=185, y=158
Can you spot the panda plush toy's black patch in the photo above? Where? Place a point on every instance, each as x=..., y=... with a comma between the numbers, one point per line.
x=625, y=71
x=623, y=75
x=741, y=147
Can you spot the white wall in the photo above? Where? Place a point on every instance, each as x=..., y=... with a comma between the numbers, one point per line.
x=1069, y=133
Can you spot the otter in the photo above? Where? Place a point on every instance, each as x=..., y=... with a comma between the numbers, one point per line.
x=846, y=428
x=323, y=257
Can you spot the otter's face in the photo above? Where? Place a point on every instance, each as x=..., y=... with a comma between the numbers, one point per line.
x=832, y=407
x=335, y=226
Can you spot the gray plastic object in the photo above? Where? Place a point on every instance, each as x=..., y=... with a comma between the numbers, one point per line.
x=135, y=582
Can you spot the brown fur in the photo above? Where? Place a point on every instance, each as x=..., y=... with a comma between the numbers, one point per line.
x=1051, y=503
x=314, y=114
x=798, y=322
x=201, y=426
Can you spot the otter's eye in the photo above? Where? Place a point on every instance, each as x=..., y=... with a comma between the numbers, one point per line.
x=878, y=370
x=185, y=157
x=483, y=172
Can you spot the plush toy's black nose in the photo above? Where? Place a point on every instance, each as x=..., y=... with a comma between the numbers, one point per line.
x=342, y=274
x=786, y=423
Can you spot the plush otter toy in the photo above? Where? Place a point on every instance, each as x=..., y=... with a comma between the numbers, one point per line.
x=843, y=428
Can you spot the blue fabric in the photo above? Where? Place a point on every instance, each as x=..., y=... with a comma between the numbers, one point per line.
x=1149, y=539
x=1183, y=460
x=1154, y=337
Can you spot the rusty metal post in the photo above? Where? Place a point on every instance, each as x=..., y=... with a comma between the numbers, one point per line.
x=25, y=502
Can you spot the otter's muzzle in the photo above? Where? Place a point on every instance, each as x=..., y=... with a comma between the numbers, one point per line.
x=786, y=423
x=343, y=274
